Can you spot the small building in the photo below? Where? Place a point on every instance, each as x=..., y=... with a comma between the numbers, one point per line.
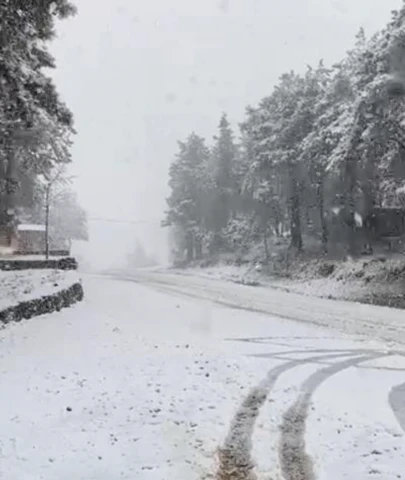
x=8, y=240
x=31, y=238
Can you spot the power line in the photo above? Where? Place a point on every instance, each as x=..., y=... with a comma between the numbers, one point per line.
x=127, y=222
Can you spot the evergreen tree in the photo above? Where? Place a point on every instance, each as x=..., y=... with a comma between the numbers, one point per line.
x=139, y=257
x=27, y=95
x=223, y=165
x=189, y=202
x=327, y=143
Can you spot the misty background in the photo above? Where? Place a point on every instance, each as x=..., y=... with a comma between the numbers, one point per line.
x=139, y=76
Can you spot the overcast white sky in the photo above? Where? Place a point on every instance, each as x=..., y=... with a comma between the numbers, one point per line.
x=140, y=74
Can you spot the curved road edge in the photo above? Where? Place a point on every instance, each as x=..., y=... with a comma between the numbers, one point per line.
x=382, y=324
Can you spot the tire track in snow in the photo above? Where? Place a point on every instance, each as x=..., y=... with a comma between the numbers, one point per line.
x=235, y=461
x=296, y=464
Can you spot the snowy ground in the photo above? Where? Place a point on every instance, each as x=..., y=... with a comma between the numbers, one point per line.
x=19, y=286
x=371, y=280
x=143, y=380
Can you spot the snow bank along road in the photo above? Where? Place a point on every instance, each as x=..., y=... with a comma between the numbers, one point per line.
x=169, y=383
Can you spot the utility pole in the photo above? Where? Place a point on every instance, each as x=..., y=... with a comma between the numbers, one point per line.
x=47, y=207
x=48, y=190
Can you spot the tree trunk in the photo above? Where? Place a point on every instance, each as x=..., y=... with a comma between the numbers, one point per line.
x=321, y=206
x=350, y=204
x=296, y=237
x=306, y=221
x=266, y=247
x=277, y=221
x=295, y=220
x=198, y=249
x=190, y=247
x=350, y=178
x=7, y=175
x=11, y=189
x=2, y=191
x=11, y=182
x=369, y=176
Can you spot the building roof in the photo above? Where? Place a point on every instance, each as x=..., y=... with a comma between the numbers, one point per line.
x=31, y=227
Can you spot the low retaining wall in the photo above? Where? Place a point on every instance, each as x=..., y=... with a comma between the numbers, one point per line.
x=68, y=263
x=40, y=306
x=52, y=253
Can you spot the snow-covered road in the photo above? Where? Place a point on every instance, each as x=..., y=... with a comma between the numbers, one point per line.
x=155, y=377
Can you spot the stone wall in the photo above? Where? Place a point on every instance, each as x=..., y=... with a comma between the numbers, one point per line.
x=66, y=263
x=40, y=306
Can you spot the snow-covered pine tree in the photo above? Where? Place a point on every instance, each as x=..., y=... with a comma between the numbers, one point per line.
x=281, y=123
x=316, y=147
x=189, y=201
x=222, y=172
x=25, y=91
x=330, y=140
x=263, y=184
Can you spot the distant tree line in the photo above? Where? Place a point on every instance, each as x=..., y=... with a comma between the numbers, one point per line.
x=323, y=146
x=36, y=127
x=139, y=258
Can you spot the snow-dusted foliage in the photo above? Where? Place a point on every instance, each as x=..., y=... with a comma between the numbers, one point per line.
x=333, y=137
x=35, y=125
x=190, y=202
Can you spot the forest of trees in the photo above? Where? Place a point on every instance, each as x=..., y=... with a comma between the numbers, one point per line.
x=36, y=127
x=329, y=142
